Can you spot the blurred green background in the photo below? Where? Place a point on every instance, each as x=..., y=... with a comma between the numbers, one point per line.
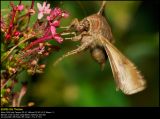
x=78, y=80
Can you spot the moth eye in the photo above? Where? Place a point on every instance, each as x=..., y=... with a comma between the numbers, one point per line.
x=86, y=25
x=80, y=27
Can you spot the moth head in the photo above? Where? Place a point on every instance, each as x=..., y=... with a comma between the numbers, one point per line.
x=83, y=25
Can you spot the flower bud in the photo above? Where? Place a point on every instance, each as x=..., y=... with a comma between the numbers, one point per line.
x=20, y=7
x=30, y=104
x=34, y=62
x=17, y=33
x=12, y=70
x=42, y=66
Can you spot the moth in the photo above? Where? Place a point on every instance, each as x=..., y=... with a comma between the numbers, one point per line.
x=94, y=33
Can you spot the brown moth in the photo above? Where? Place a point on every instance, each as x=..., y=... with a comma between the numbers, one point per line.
x=94, y=33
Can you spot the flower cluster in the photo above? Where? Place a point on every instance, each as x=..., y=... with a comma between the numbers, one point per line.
x=24, y=46
x=53, y=17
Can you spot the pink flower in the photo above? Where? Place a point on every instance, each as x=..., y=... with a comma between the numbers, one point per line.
x=58, y=38
x=65, y=15
x=55, y=35
x=54, y=13
x=8, y=36
x=45, y=9
x=17, y=33
x=20, y=7
x=53, y=30
x=56, y=23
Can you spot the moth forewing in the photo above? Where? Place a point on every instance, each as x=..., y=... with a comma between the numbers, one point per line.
x=126, y=75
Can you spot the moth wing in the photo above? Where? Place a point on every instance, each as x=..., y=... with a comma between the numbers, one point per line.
x=126, y=75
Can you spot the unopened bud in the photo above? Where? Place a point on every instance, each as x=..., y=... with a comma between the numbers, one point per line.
x=39, y=71
x=4, y=101
x=41, y=45
x=46, y=54
x=20, y=7
x=17, y=33
x=8, y=90
x=30, y=104
x=8, y=36
x=34, y=62
x=49, y=49
x=29, y=71
x=48, y=44
x=42, y=66
x=10, y=57
x=12, y=70
x=65, y=15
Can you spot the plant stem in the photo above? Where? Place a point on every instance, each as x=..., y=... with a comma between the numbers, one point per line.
x=10, y=51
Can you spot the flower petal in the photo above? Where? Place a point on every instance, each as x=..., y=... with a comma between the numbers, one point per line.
x=65, y=15
x=53, y=30
x=56, y=23
x=44, y=4
x=39, y=6
x=48, y=6
x=56, y=12
x=58, y=38
x=20, y=7
x=47, y=11
x=40, y=15
x=48, y=18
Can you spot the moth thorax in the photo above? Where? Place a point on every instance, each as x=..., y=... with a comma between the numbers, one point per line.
x=99, y=55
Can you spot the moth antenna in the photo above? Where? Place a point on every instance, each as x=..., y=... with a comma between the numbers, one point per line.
x=101, y=8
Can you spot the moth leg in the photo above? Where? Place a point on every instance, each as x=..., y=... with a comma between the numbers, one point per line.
x=68, y=33
x=79, y=49
x=80, y=36
x=82, y=47
x=77, y=38
x=68, y=38
x=64, y=27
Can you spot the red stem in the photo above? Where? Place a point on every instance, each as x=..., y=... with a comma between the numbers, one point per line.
x=40, y=40
x=32, y=5
x=12, y=20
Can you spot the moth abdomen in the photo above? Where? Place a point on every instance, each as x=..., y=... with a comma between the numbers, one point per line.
x=99, y=55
